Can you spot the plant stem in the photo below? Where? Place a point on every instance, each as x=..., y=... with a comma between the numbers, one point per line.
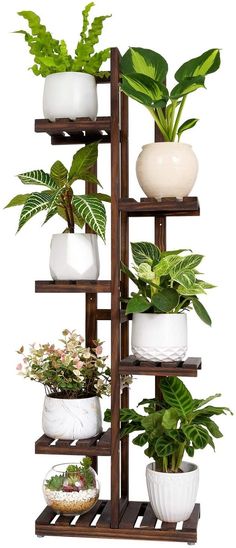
x=176, y=125
x=172, y=117
x=158, y=123
x=68, y=199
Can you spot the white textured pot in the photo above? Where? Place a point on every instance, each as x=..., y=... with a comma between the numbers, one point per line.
x=74, y=257
x=72, y=419
x=70, y=95
x=173, y=496
x=166, y=170
x=159, y=337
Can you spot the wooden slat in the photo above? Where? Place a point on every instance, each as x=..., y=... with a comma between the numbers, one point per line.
x=103, y=314
x=46, y=516
x=131, y=365
x=86, y=519
x=165, y=526
x=72, y=126
x=65, y=444
x=87, y=442
x=105, y=518
x=88, y=446
x=167, y=206
x=81, y=286
x=149, y=519
x=64, y=520
x=105, y=440
x=79, y=139
x=191, y=523
x=43, y=441
x=130, y=515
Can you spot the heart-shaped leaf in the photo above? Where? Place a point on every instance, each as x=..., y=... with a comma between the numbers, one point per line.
x=166, y=299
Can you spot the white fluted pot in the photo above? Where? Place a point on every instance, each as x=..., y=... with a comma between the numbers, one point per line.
x=173, y=496
x=159, y=337
x=74, y=257
x=70, y=419
x=70, y=95
x=166, y=170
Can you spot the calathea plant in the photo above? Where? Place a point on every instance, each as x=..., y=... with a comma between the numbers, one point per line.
x=167, y=281
x=173, y=425
x=144, y=75
x=58, y=196
x=52, y=56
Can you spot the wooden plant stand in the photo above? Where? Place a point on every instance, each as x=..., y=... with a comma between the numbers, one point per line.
x=119, y=517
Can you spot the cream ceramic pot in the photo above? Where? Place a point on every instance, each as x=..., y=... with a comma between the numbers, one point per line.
x=166, y=170
x=173, y=496
x=71, y=419
x=159, y=337
x=70, y=95
x=74, y=257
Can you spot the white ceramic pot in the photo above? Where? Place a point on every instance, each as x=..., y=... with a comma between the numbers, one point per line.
x=70, y=95
x=159, y=337
x=72, y=419
x=173, y=496
x=166, y=170
x=74, y=257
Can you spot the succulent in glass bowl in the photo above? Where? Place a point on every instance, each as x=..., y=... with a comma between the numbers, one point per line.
x=71, y=489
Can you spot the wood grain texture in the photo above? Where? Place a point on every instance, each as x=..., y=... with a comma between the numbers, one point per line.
x=70, y=286
x=133, y=366
x=97, y=446
x=148, y=207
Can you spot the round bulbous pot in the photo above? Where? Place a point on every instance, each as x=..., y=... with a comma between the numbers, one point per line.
x=173, y=495
x=71, y=419
x=74, y=257
x=167, y=170
x=159, y=337
x=70, y=95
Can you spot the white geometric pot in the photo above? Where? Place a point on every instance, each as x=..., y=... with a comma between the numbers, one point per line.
x=173, y=495
x=159, y=337
x=70, y=95
x=71, y=419
x=166, y=170
x=74, y=257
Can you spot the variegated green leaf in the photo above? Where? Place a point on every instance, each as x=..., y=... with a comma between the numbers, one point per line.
x=145, y=90
x=166, y=264
x=89, y=177
x=194, y=289
x=38, y=201
x=18, y=200
x=59, y=173
x=188, y=124
x=83, y=160
x=145, y=252
x=185, y=278
x=187, y=86
x=144, y=61
x=206, y=63
x=92, y=210
x=37, y=177
x=145, y=272
x=189, y=262
x=177, y=395
x=197, y=435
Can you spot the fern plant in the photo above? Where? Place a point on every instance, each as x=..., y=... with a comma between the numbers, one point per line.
x=52, y=56
x=58, y=196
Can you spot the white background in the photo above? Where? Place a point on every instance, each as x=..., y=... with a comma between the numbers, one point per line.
x=178, y=30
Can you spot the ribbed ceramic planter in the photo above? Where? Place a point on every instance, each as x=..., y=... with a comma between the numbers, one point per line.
x=166, y=170
x=67, y=419
x=74, y=257
x=173, y=496
x=70, y=95
x=159, y=337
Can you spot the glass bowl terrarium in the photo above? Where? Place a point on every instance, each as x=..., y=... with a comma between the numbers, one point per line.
x=71, y=488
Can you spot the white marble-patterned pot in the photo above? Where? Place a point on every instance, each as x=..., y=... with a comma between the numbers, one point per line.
x=173, y=495
x=74, y=257
x=70, y=419
x=159, y=337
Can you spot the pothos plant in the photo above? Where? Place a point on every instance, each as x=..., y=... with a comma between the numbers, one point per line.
x=173, y=425
x=167, y=281
x=51, y=55
x=144, y=75
x=59, y=199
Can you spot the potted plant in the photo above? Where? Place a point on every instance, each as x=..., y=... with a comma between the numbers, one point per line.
x=70, y=84
x=73, y=256
x=170, y=427
x=169, y=168
x=168, y=285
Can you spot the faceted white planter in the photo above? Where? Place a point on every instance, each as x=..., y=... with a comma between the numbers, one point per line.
x=70, y=95
x=72, y=419
x=173, y=496
x=166, y=170
x=74, y=257
x=159, y=337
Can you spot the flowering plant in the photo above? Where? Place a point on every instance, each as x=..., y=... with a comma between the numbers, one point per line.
x=72, y=371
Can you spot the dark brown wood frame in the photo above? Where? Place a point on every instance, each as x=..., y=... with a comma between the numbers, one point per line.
x=117, y=517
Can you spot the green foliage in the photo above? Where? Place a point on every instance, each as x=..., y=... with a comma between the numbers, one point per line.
x=176, y=424
x=143, y=79
x=70, y=478
x=167, y=281
x=59, y=197
x=55, y=483
x=51, y=56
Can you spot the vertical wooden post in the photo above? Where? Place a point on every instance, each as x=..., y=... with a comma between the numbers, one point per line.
x=124, y=281
x=115, y=289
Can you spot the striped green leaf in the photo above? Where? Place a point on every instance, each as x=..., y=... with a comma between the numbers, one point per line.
x=206, y=63
x=187, y=86
x=38, y=201
x=186, y=278
x=89, y=177
x=189, y=262
x=188, y=124
x=145, y=90
x=144, y=61
x=194, y=289
x=92, y=210
x=59, y=173
x=38, y=177
x=83, y=160
x=145, y=252
x=200, y=403
x=210, y=425
x=165, y=446
x=18, y=200
x=197, y=435
x=177, y=395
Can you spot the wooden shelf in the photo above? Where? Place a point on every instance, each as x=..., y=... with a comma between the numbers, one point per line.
x=137, y=522
x=97, y=446
x=71, y=286
x=72, y=132
x=188, y=368
x=167, y=206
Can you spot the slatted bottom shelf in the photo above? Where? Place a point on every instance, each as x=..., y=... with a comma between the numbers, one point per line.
x=137, y=522
x=99, y=445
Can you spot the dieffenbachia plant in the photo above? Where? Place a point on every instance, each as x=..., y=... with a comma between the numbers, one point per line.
x=167, y=281
x=58, y=197
x=173, y=425
x=144, y=75
x=51, y=56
